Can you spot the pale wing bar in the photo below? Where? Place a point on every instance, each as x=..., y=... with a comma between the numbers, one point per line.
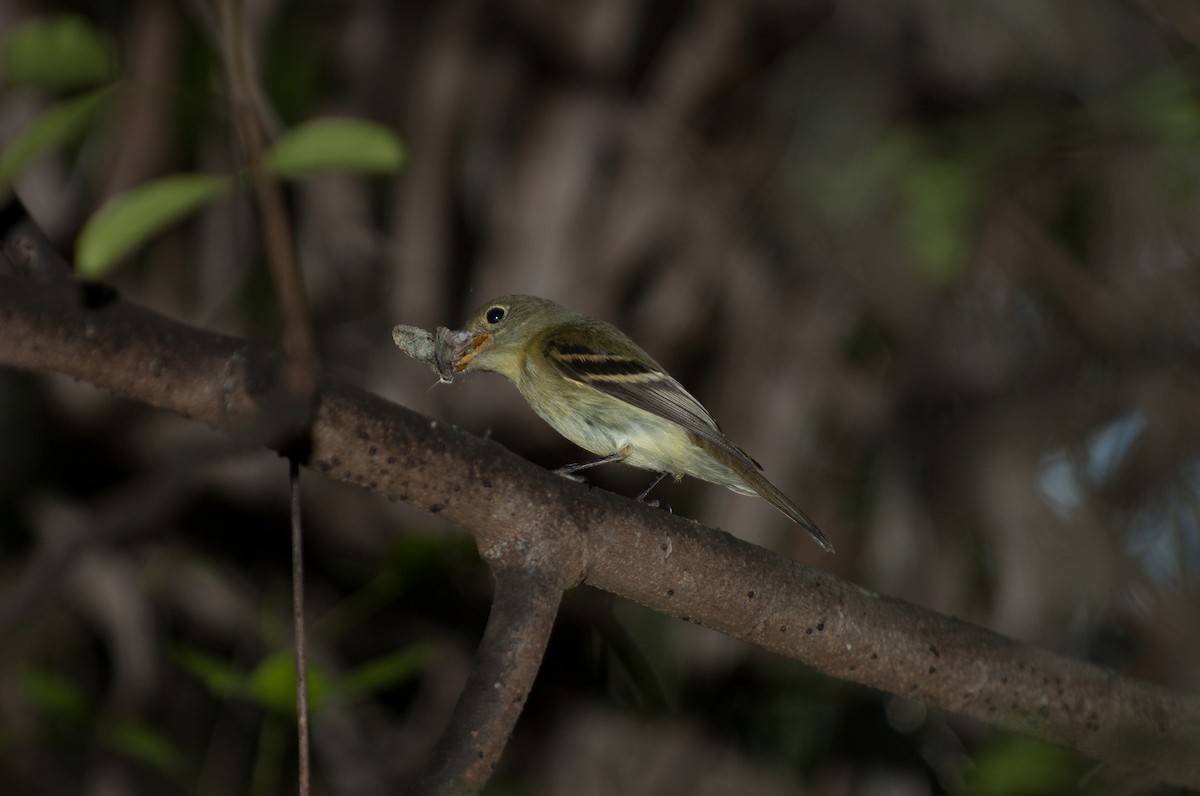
x=638, y=384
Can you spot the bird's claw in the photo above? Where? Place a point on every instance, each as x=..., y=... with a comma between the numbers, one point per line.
x=565, y=473
x=659, y=504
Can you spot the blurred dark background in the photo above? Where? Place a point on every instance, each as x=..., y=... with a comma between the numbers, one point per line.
x=932, y=262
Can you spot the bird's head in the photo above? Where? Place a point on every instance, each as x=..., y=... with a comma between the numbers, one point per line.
x=502, y=329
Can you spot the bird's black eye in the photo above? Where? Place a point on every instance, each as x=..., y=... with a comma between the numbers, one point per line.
x=495, y=315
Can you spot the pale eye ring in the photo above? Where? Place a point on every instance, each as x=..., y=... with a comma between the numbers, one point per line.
x=494, y=315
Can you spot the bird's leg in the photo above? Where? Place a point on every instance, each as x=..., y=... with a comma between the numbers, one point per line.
x=620, y=455
x=574, y=468
x=655, y=503
x=642, y=496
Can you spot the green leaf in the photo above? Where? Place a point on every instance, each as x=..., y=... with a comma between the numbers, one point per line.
x=128, y=221
x=387, y=671
x=56, y=52
x=1023, y=767
x=53, y=693
x=941, y=198
x=56, y=126
x=145, y=744
x=273, y=683
x=217, y=675
x=1165, y=108
x=337, y=145
x=850, y=188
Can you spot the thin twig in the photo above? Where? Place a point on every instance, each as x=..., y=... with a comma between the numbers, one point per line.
x=300, y=362
x=297, y=336
x=298, y=627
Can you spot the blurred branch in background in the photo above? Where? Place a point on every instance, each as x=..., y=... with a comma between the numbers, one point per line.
x=934, y=264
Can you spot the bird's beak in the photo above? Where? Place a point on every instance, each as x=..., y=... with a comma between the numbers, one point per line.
x=477, y=343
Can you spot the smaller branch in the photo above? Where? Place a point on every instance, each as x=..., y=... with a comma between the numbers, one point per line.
x=298, y=627
x=300, y=368
x=25, y=247
x=506, y=663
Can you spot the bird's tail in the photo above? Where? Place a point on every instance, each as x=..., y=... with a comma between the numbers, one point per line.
x=754, y=482
x=742, y=474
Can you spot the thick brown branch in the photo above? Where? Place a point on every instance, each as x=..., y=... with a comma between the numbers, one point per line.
x=667, y=563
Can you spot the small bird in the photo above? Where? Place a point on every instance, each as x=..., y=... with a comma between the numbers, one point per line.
x=598, y=389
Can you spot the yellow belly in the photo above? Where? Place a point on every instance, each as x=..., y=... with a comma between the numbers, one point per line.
x=604, y=425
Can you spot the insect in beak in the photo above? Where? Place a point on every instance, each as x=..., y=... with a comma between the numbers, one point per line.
x=476, y=344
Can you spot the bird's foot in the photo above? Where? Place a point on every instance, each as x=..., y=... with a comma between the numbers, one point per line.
x=570, y=475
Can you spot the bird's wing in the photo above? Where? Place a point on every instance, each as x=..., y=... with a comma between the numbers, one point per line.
x=631, y=379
